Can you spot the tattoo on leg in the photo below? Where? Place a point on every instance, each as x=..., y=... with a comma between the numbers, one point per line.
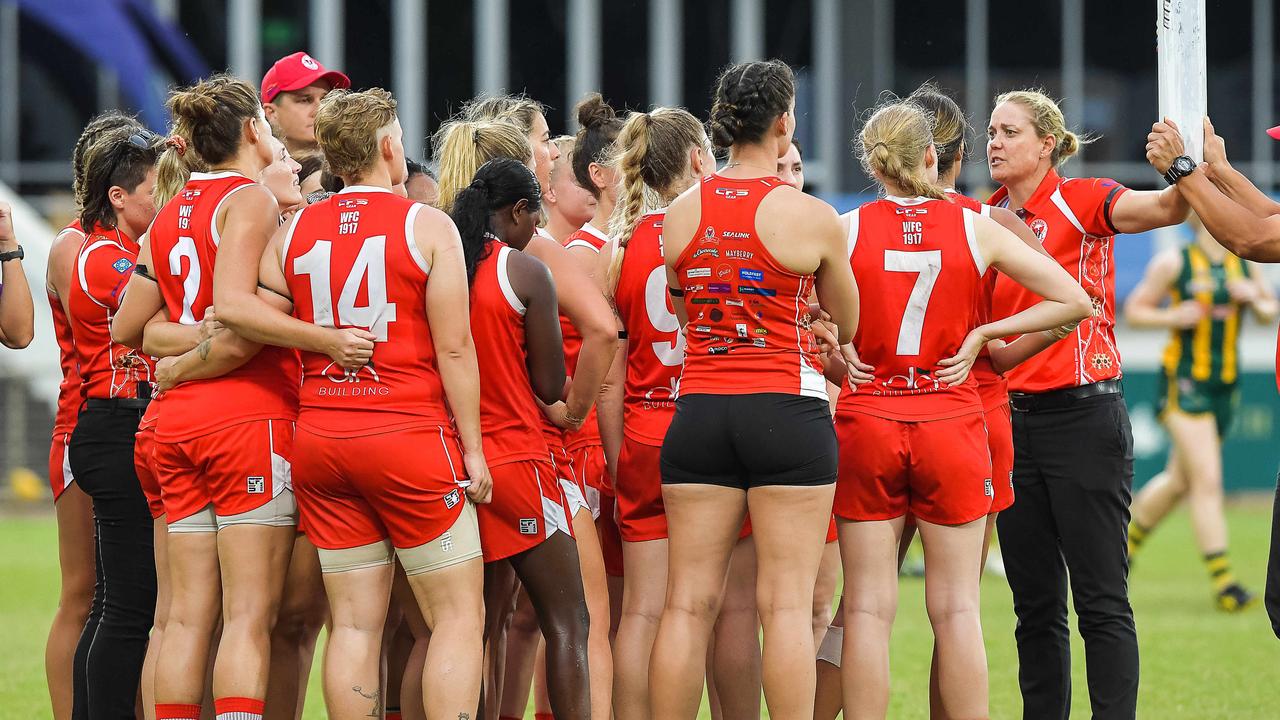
x=464, y=716
x=204, y=347
x=375, y=696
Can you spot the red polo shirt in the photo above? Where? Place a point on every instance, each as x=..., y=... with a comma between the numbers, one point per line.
x=1072, y=217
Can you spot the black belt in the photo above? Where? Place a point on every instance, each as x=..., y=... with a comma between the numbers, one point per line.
x=1058, y=399
x=117, y=403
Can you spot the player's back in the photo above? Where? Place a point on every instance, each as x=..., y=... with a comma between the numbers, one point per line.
x=509, y=419
x=184, y=242
x=351, y=261
x=920, y=277
x=655, y=349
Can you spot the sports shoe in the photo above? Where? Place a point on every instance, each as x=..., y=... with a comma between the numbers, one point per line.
x=1235, y=598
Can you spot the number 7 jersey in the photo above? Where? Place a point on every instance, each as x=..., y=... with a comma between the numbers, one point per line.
x=184, y=247
x=351, y=262
x=919, y=273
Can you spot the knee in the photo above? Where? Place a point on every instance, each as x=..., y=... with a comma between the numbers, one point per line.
x=568, y=624
x=299, y=626
x=952, y=611
x=699, y=608
x=774, y=600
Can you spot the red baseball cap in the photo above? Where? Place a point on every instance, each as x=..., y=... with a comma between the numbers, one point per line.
x=296, y=71
x=1274, y=132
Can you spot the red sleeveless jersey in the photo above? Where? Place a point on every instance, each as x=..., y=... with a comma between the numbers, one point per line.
x=69, y=388
x=103, y=268
x=589, y=434
x=992, y=386
x=351, y=261
x=655, y=345
x=509, y=418
x=748, y=314
x=184, y=247
x=920, y=276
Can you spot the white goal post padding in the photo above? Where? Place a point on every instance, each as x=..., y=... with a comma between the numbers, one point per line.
x=1180, y=49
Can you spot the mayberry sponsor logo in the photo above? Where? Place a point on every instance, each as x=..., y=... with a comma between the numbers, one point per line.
x=750, y=274
x=704, y=272
x=739, y=254
x=753, y=290
x=719, y=288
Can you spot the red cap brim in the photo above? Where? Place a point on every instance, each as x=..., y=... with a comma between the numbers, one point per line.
x=1274, y=132
x=338, y=80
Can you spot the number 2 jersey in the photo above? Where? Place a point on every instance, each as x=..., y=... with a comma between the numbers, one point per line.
x=351, y=261
x=920, y=278
x=655, y=345
x=184, y=247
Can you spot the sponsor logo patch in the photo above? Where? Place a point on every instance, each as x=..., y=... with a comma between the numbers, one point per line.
x=698, y=273
x=752, y=290
x=255, y=484
x=739, y=254
x=720, y=288
x=750, y=274
x=452, y=499
x=987, y=488
x=705, y=301
x=706, y=251
x=528, y=526
x=122, y=265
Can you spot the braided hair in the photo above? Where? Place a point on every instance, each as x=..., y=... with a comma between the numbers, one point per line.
x=499, y=183
x=749, y=97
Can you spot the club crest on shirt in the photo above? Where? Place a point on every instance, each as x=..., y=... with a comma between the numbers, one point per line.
x=122, y=265
x=1040, y=228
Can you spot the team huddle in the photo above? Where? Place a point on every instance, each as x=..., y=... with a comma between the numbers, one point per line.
x=583, y=414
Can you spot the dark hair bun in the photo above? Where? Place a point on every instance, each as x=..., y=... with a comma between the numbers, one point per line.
x=749, y=97
x=593, y=111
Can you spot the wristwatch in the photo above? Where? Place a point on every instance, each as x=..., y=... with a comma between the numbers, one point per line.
x=1182, y=166
x=12, y=255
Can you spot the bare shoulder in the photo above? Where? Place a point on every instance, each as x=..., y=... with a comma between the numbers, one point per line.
x=791, y=211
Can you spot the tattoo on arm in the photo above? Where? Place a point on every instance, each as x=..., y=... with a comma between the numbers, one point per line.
x=204, y=347
x=375, y=696
x=464, y=716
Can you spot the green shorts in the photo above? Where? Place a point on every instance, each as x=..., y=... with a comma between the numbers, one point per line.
x=1195, y=397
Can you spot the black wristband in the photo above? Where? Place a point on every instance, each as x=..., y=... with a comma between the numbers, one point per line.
x=142, y=271
x=675, y=292
x=12, y=255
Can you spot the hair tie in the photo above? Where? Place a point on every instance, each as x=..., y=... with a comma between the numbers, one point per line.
x=879, y=143
x=479, y=184
x=178, y=143
x=475, y=136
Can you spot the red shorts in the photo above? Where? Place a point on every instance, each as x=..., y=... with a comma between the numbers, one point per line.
x=575, y=492
x=591, y=470
x=236, y=469
x=1000, y=445
x=143, y=446
x=610, y=538
x=60, y=477
x=357, y=491
x=528, y=506
x=641, y=516
x=938, y=470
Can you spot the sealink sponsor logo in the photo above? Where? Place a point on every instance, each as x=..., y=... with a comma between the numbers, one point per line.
x=731, y=235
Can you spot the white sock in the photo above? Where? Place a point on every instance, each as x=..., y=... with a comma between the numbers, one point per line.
x=831, y=649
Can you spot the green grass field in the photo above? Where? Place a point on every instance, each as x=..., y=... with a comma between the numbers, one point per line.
x=1196, y=662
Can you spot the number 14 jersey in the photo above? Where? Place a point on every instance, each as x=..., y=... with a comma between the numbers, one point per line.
x=919, y=273
x=351, y=261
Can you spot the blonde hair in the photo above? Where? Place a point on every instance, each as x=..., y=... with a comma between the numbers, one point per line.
x=462, y=146
x=519, y=110
x=208, y=126
x=892, y=146
x=349, y=127
x=652, y=159
x=1047, y=119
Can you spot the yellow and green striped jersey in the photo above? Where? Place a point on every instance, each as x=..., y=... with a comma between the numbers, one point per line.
x=1210, y=350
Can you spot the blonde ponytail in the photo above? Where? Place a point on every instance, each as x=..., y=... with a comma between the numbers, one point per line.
x=892, y=146
x=652, y=160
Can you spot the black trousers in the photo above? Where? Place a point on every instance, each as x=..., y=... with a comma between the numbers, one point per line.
x=108, y=660
x=1073, y=481
x=1272, y=595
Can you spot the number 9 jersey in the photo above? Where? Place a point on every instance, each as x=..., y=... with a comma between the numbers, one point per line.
x=351, y=261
